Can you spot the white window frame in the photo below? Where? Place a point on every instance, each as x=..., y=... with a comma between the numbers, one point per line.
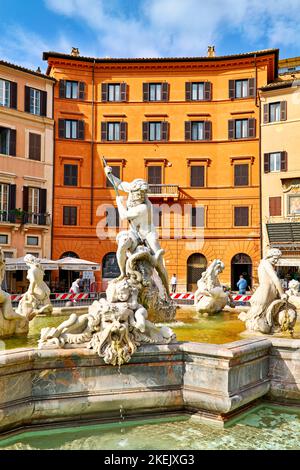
x=35, y=101
x=4, y=93
x=276, y=113
x=275, y=161
x=4, y=208
x=72, y=89
x=197, y=130
x=244, y=129
x=114, y=92
x=7, y=129
x=71, y=129
x=155, y=131
x=113, y=131
x=197, y=91
x=155, y=91
x=241, y=88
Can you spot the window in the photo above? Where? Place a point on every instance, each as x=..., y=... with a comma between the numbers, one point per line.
x=114, y=92
x=34, y=241
x=155, y=131
x=69, y=215
x=157, y=216
x=3, y=238
x=7, y=141
x=197, y=216
x=241, y=175
x=242, y=88
x=71, y=129
x=294, y=205
x=116, y=171
x=33, y=200
x=275, y=161
x=155, y=91
x=155, y=174
x=71, y=89
x=197, y=130
x=4, y=201
x=197, y=91
x=241, y=128
x=34, y=146
x=274, y=112
x=70, y=175
x=275, y=206
x=4, y=93
x=241, y=216
x=197, y=176
x=35, y=101
x=112, y=217
x=113, y=131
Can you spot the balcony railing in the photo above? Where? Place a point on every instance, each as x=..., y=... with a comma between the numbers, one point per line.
x=163, y=190
x=16, y=217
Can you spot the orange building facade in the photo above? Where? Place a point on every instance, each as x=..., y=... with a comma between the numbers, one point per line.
x=190, y=127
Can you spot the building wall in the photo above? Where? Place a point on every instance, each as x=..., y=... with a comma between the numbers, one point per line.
x=22, y=171
x=219, y=197
x=280, y=136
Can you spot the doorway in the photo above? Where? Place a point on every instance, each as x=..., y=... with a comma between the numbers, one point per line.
x=196, y=265
x=241, y=264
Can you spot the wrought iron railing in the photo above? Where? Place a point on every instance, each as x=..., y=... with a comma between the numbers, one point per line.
x=21, y=217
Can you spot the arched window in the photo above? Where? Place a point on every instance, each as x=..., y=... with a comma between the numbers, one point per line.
x=110, y=268
x=196, y=264
x=68, y=254
x=241, y=264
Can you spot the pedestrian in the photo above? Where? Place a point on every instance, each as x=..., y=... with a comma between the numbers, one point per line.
x=173, y=283
x=242, y=285
x=75, y=288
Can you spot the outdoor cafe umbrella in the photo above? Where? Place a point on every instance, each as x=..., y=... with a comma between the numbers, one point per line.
x=77, y=264
x=18, y=264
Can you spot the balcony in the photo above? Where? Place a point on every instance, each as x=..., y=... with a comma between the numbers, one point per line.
x=164, y=191
x=20, y=217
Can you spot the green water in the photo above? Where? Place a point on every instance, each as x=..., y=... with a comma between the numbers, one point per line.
x=266, y=427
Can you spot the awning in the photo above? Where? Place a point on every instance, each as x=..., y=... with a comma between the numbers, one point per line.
x=288, y=262
x=76, y=264
x=18, y=264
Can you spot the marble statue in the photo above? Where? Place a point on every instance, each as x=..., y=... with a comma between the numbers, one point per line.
x=37, y=298
x=113, y=327
x=293, y=293
x=139, y=254
x=210, y=297
x=271, y=310
x=11, y=323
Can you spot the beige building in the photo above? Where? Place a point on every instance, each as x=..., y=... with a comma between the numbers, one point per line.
x=280, y=169
x=26, y=164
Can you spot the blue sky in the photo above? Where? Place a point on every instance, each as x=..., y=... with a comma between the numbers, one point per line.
x=146, y=28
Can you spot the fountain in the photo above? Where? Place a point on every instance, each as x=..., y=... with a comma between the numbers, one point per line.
x=210, y=297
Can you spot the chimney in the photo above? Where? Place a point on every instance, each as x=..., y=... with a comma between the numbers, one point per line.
x=38, y=70
x=211, y=51
x=75, y=51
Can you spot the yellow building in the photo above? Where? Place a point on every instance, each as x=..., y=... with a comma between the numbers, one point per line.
x=280, y=169
x=190, y=126
x=26, y=165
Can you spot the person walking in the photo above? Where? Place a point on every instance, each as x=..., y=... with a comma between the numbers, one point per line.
x=75, y=289
x=242, y=285
x=173, y=283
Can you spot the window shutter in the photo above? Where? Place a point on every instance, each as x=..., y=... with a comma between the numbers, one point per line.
x=104, y=92
x=207, y=91
x=13, y=95
x=145, y=130
x=124, y=92
x=165, y=92
x=62, y=88
x=207, y=130
x=283, y=111
x=34, y=146
x=251, y=127
x=231, y=124
x=231, y=89
x=27, y=99
x=155, y=175
x=266, y=113
x=251, y=87
x=188, y=91
x=145, y=91
x=61, y=128
x=266, y=162
x=241, y=175
x=164, y=131
x=12, y=202
x=12, y=142
x=43, y=103
x=25, y=198
x=123, y=131
x=103, y=131
x=197, y=176
x=188, y=130
x=275, y=206
x=283, y=166
x=42, y=206
x=80, y=129
x=81, y=90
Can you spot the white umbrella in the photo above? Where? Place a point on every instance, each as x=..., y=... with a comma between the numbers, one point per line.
x=18, y=264
x=77, y=264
